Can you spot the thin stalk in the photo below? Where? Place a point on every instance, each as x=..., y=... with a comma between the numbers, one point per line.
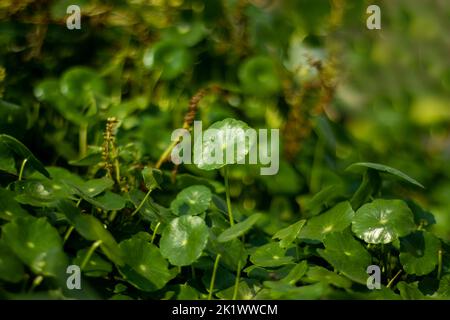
x=213, y=278
x=91, y=250
x=83, y=139
x=68, y=233
x=227, y=190
x=70, y=229
x=154, y=232
x=166, y=153
x=22, y=168
x=393, y=279
x=439, y=264
x=139, y=207
x=236, y=283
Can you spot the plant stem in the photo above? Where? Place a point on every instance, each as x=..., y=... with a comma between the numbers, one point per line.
x=213, y=278
x=91, y=250
x=142, y=203
x=166, y=153
x=439, y=264
x=236, y=284
x=68, y=233
x=22, y=168
x=227, y=190
x=154, y=232
x=83, y=139
x=70, y=229
x=393, y=279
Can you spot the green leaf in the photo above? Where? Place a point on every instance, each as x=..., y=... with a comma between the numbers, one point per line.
x=289, y=234
x=152, y=177
x=23, y=153
x=183, y=240
x=444, y=287
x=144, y=268
x=270, y=255
x=81, y=84
x=383, y=168
x=96, y=267
x=347, y=255
x=91, y=229
x=410, y=291
x=419, y=252
x=259, y=76
x=37, y=243
x=383, y=221
x=169, y=57
x=7, y=162
x=94, y=187
x=239, y=229
x=296, y=273
x=320, y=274
x=228, y=135
x=39, y=193
x=337, y=218
x=11, y=269
x=192, y=201
x=9, y=208
x=111, y=201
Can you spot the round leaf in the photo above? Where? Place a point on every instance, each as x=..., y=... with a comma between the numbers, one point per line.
x=270, y=255
x=259, y=76
x=37, y=243
x=383, y=221
x=347, y=255
x=184, y=239
x=227, y=134
x=192, y=200
x=337, y=218
x=419, y=253
x=144, y=268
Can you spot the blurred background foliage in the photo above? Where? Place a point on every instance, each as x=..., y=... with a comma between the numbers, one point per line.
x=339, y=92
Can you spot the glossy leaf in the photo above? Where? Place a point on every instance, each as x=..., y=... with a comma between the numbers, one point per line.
x=184, y=239
x=383, y=221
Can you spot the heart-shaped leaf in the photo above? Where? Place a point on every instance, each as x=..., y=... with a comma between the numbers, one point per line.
x=92, y=229
x=216, y=145
x=270, y=255
x=37, y=243
x=94, y=187
x=383, y=221
x=191, y=201
x=183, y=240
x=337, y=218
x=386, y=169
x=347, y=255
x=144, y=268
x=23, y=153
x=419, y=253
x=289, y=234
x=239, y=229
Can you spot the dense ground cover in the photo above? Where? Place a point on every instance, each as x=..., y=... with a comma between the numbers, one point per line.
x=86, y=119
